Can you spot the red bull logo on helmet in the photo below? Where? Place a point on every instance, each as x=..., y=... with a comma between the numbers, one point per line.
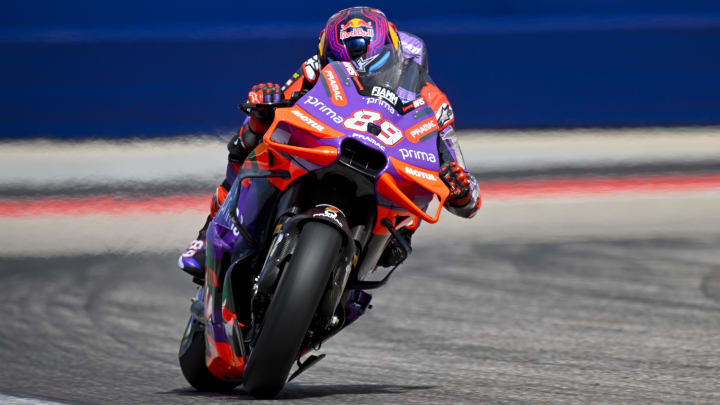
x=356, y=23
x=356, y=27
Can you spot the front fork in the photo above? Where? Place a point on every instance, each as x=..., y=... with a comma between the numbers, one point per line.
x=286, y=235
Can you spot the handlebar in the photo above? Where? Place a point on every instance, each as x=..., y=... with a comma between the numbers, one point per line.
x=249, y=107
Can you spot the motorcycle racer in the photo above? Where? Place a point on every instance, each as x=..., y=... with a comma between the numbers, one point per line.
x=397, y=63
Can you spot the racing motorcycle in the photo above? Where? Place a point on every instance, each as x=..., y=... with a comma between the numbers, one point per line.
x=293, y=250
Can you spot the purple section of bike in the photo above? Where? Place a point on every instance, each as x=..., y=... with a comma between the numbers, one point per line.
x=352, y=117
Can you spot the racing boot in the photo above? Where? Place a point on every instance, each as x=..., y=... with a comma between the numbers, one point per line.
x=192, y=260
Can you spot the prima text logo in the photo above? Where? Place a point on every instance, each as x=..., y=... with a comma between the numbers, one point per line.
x=329, y=112
x=418, y=155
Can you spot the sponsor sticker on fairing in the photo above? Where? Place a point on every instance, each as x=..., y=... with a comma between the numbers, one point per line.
x=331, y=213
x=350, y=69
x=419, y=130
x=329, y=112
x=368, y=139
x=417, y=155
x=304, y=118
x=420, y=174
x=384, y=93
x=337, y=93
x=383, y=103
x=418, y=102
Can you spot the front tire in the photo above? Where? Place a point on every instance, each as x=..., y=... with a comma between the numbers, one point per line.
x=293, y=305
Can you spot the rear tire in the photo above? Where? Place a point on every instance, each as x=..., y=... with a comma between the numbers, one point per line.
x=293, y=305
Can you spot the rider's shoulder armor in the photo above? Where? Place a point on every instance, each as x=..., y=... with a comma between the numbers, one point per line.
x=303, y=78
x=413, y=48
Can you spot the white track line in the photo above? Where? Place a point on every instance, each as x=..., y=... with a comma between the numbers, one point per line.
x=8, y=400
x=203, y=159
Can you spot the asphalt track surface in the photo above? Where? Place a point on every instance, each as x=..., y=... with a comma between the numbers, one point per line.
x=605, y=320
x=604, y=291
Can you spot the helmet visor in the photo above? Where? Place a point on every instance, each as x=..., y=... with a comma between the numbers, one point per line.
x=356, y=46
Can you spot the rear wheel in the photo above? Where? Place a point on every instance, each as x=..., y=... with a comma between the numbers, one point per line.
x=293, y=305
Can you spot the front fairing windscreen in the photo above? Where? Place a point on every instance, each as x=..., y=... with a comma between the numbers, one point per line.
x=387, y=75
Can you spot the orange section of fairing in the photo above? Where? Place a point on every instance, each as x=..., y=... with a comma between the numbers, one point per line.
x=418, y=131
x=268, y=156
x=295, y=116
x=426, y=179
x=413, y=224
x=392, y=215
x=300, y=118
x=268, y=159
x=295, y=87
x=222, y=362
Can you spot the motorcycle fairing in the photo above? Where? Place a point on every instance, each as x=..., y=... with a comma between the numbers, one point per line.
x=306, y=138
x=412, y=159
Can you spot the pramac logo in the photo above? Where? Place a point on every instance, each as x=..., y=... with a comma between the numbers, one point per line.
x=337, y=94
x=416, y=132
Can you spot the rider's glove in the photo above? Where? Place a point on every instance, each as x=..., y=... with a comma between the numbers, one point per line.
x=457, y=181
x=263, y=116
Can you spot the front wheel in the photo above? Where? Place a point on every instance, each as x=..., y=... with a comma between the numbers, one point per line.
x=293, y=305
